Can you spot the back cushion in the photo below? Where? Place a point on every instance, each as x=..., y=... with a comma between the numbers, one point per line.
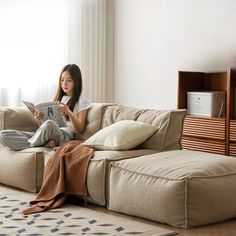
x=18, y=118
x=94, y=120
x=169, y=135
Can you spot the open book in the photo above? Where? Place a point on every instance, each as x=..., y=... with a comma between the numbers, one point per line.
x=50, y=111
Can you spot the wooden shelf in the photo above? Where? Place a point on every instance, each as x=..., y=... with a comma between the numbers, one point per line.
x=212, y=128
x=209, y=134
x=232, y=130
x=204, y=145
x=233, y=149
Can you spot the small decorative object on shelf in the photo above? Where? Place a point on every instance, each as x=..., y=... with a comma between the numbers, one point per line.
x=210, y=125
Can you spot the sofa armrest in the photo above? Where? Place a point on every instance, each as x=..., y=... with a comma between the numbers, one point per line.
x=17, y=118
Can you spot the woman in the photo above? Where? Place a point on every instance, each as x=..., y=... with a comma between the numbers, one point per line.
x=72, y=105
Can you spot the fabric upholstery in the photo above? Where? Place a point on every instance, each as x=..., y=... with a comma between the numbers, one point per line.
x=122, y=135
x=17, y=118
x=180, y=188
x=29, y=163
x=23, y=169
x=169, y=135
x=98, y=172
x=94, y=120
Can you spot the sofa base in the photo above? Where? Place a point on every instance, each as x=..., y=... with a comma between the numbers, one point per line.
x=22, y=169
x=25, y=169
x=180, y=188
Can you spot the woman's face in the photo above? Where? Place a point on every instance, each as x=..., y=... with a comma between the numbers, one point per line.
x=67, y=83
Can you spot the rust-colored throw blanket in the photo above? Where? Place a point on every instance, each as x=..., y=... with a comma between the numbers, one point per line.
x=65, y=174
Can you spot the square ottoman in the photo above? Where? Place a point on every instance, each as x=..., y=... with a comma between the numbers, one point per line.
x=181, y=188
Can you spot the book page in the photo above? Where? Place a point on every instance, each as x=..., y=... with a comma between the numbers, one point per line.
x=30, y=106
x=51, y=112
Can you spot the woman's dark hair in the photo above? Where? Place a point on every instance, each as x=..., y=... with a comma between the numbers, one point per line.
x=76, y=76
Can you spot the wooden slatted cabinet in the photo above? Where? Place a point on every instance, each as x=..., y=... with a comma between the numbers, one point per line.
x=204, y=134
x=232, y=138
x=209, y=134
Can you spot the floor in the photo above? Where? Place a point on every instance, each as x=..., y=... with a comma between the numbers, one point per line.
x=227, y=228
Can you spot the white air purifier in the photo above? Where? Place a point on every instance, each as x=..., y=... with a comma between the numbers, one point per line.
x=206, y=103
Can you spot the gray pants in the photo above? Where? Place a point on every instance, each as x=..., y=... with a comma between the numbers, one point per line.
x=49, y=130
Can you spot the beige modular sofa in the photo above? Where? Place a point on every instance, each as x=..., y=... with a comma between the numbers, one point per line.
x=28, y=165
x=157, y=180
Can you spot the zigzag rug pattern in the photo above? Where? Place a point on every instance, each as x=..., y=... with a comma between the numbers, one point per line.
x=68, y=220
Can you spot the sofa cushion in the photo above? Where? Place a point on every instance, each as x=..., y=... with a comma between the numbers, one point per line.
x=22, y=169
x=169, y=135
x=28, y=168
x=94, y=120
x=98, y=170
x=181, y=188
x=122, y=135
x=17, y=118
x=97, y=176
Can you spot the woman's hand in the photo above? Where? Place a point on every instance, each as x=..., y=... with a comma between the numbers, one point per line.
x=78, y=121
x=38, y=116
x=64, y=109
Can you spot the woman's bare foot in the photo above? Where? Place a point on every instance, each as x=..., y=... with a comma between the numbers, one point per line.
x=23, y=215
x=55, y=148
x=50, y=144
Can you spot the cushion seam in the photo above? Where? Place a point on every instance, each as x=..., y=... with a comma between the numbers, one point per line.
x=186, y=203
x=34, y=188
x=176, y=179
x=211, y=176
x=2, y=125
x=165, y=133
x=149, y=175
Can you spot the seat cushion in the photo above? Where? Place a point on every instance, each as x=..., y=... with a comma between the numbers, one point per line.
x=28, y=168
x=98, y=172
x=181, y=188
x=23, y=169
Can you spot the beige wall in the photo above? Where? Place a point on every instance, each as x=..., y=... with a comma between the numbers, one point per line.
x=156, y=38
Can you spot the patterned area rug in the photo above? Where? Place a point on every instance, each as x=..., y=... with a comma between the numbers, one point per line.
x=68, y=220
